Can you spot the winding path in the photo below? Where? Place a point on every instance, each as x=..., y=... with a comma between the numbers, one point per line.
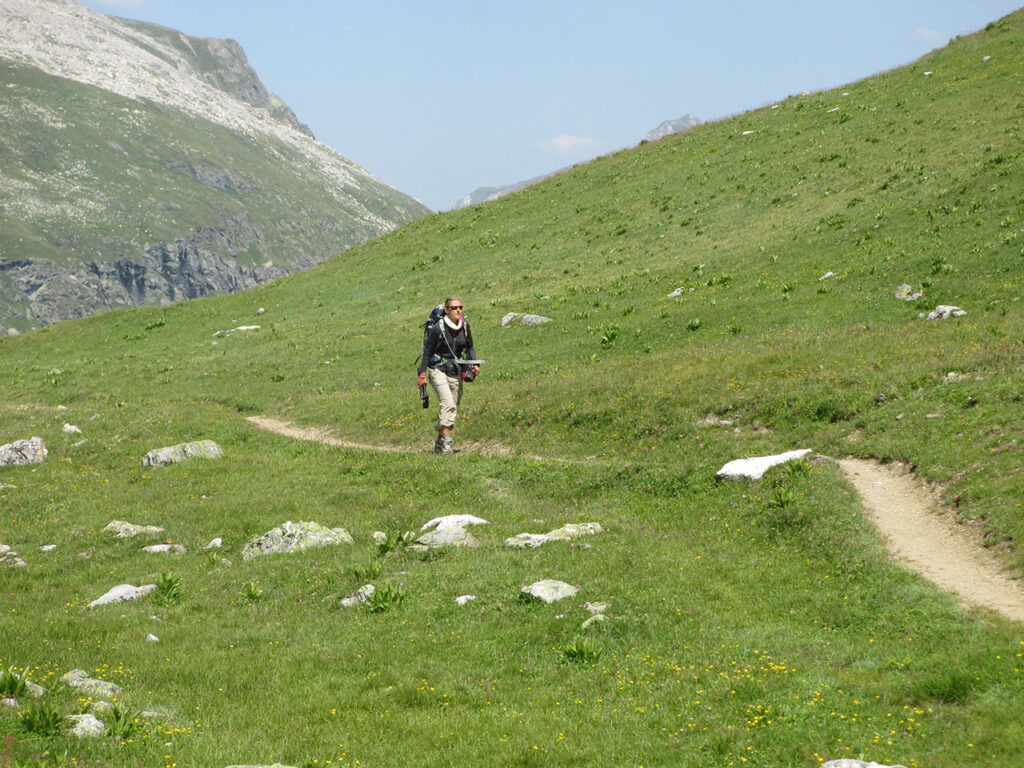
x=925, y=540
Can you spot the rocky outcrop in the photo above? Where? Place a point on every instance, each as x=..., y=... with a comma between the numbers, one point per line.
x=667, y=128
x=293, y=537
x=175, y=454
x=144, y=212
x=21, y=453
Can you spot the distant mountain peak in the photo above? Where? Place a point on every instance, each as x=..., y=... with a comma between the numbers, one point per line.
x=667, y=128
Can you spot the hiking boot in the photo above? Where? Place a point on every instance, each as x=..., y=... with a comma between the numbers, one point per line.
x=446, y=445
x=439, y=444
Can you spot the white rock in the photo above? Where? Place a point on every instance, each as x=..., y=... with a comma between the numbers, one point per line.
x=235, y=330
x=378, y=537
x=944, y=311
x=90, y=686
x=676, y=293
x=151, y=638
x=548, y=590
x=71, y=429
x=456, y=536
x=47, y=547
x=360, y=596
x=122, y=594
x=565, y=533
x=124, y=530
x=293, y=537
x=165, y=549
x=452, y=521
x=85, y=726
x=216, y=543
x=463, y=599
x=754, y=468
x=513, y=319
x=23, y=452
x=826, y=276
x=10, y=703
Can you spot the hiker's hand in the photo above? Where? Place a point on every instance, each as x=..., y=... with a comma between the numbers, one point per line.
x=421, y=380
x=476, y=371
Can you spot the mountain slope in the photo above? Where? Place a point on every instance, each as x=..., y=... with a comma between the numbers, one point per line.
x=141, y=165
x=732, y=291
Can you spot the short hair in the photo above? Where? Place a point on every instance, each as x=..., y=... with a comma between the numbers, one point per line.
x=450, y=299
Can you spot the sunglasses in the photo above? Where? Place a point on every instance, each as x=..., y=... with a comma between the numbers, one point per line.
x=455, y=306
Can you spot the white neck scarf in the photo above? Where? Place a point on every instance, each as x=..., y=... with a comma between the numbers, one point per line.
x=452, y=325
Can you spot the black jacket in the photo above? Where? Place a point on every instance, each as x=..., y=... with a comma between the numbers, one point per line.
x=441, y=343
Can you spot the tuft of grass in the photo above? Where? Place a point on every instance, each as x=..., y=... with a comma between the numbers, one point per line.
x=41, y=718
x=582, y=650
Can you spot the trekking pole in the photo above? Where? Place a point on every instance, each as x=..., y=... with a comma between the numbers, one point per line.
x=424, y=396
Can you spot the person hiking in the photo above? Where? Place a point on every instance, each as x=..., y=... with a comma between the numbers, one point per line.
x=445, y=342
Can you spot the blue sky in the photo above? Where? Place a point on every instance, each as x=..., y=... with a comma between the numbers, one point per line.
x=439, y=98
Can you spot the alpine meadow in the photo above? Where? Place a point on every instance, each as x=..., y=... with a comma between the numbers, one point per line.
x=753, y=286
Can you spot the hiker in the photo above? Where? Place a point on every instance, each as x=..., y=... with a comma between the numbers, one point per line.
x=446, y=341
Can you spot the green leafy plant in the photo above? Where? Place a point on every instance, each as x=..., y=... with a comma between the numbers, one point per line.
x=168, y=589
x=12, y=684
x=41, y=718
x=394, y=541
x=368, y=571
x=582, y=650
x=122, y=723
x=386, y=597
x=252, y=592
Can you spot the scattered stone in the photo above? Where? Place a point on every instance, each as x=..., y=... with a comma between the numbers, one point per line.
x=235, y=330
x=216, y=543
x=596, y=608
x=21, y=453
x=175, y=454
x=101, y=707
x=378, y=537
x=122, y=594
x=676, y=293
x=906, y=293
x=850, y=763
x=90, y=686
x=444, y=537
x=754, y=468
x=123, y=530
x=151, y=638
x=165, y=549
x=36, y=690
x=548, y=591
x=275, y=765
x=71, y=429
x=597, y=618
x=452, y=521
x=292, y=537
x=515, y=319
x=10, y=558
x=85, y=726
x=360, y=596
x=47, y=547
x=827, y=276
x=463, y=599
x=944, y=311
x=565, y=533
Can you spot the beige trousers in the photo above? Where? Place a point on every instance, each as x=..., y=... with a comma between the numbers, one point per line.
x=449, y=393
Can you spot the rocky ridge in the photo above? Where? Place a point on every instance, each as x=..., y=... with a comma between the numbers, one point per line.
x=140, y=165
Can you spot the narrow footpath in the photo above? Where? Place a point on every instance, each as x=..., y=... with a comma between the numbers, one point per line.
x=917, y=532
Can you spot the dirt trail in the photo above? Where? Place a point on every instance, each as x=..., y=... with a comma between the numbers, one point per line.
x=932, y=543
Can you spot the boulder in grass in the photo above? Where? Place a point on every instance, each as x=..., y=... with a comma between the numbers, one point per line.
x=452, y=521
x=165, y=549
x=548, y=591
x=944, y=311
x=175, y=454
x=565, y=533
x=122, y=593
x=85, y=726
x=456, y=536
x=124, y=530
x=98, y=689
x=754, y=468
x=21, y=453
x=514, y=319
x=293, y=537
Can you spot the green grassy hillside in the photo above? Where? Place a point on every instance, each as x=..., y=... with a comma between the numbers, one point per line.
x=757, y=624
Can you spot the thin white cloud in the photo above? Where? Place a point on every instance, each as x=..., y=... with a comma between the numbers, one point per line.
x=925, y=34
x=568, y=145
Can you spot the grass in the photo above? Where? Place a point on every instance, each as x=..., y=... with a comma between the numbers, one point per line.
x=759, y=624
